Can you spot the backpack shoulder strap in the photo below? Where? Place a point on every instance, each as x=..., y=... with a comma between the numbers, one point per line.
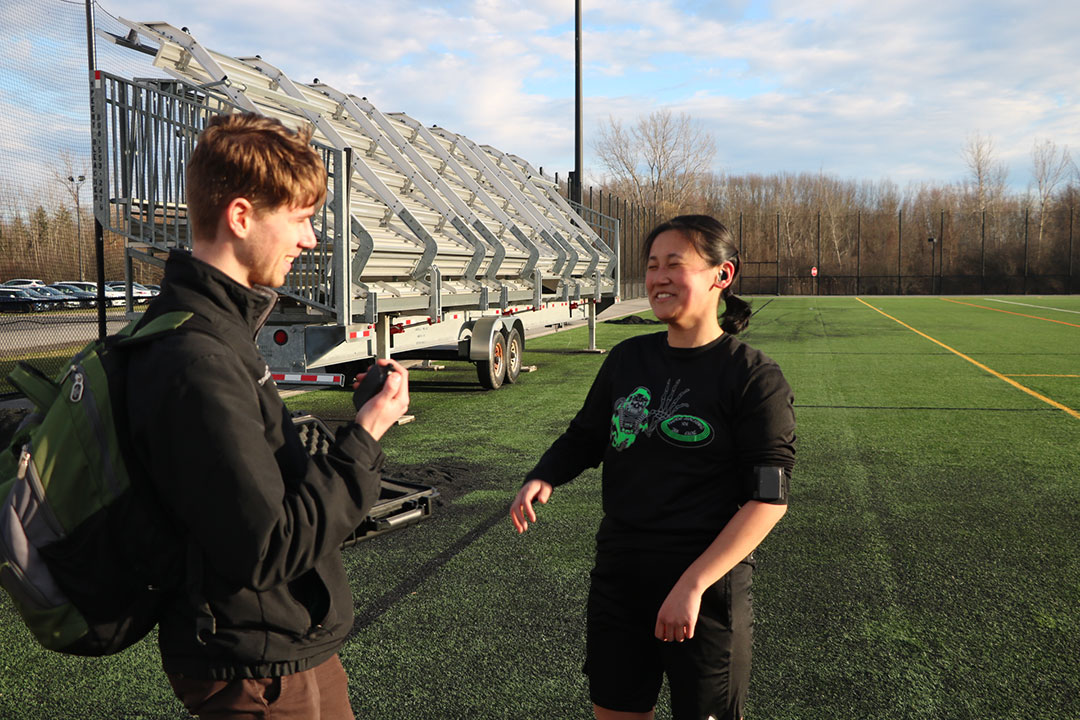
x=39, y=389
x=136, y=332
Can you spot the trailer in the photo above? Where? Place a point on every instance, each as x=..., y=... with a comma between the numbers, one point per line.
x=430, y=245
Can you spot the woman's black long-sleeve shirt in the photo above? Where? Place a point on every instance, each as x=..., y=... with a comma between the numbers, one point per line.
x=679, y=431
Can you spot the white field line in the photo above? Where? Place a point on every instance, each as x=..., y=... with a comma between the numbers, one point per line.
x=1041, y=307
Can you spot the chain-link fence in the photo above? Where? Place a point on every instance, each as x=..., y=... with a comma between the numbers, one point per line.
x=47, y=223
x=46, y=206
x=878, y=253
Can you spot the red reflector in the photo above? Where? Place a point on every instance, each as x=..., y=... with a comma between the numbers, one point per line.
x=281, y=337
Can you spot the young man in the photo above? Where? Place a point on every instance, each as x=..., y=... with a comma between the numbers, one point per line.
x=266, y=605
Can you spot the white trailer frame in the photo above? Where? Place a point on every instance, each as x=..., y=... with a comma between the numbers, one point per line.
x=428, y=242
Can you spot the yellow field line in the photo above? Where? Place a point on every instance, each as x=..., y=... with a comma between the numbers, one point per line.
x=1010, y=312
x=978, y=364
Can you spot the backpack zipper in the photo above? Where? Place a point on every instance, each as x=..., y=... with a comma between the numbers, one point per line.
x=77, y=388
x=97, y=423
x=29, y=474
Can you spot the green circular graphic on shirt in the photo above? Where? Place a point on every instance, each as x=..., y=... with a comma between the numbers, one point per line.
x=686, y=430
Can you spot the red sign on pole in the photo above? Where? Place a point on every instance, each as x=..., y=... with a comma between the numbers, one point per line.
x=813, y=271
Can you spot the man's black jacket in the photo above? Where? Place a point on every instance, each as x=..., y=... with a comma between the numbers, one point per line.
x=265, y=519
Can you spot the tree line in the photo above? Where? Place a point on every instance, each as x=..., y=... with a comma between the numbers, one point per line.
x=46, y=243
x=662, y=166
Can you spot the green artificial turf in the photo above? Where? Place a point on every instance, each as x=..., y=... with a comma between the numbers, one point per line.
x=927, y=567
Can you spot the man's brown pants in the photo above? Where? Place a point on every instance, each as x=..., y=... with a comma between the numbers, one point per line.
x=320, y=693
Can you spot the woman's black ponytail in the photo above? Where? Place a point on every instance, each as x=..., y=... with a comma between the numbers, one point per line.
x=736, y=315
x=713, y=242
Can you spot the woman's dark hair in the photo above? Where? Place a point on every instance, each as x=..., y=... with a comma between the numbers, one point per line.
x=713, y=242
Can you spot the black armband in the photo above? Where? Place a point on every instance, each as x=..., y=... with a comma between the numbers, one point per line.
x=769, y=484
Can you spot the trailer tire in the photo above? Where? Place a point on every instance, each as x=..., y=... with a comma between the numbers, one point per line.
x=513, y=355
x=492, y=373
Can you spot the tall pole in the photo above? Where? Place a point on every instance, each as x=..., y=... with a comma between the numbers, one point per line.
x=982, y=254
x=97, y=165
x=1026, y=219
x=76, y=184
x=899, y=251
x=941, y=254
x=575, y=187
x=858, y=251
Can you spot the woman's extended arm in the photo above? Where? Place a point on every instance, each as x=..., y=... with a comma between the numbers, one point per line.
x=743, y=533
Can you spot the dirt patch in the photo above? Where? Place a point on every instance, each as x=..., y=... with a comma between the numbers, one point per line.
x=633, y=320
x=452, y=478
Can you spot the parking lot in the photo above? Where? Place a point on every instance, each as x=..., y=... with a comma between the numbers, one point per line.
x=27, y=332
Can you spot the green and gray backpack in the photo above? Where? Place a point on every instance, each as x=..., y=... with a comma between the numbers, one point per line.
x=82, y=555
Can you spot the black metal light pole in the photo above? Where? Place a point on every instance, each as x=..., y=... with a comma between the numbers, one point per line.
x=76, y=184
x=575, y=183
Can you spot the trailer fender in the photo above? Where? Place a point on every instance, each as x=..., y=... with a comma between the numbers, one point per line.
x=520, y=327
x=482, y=342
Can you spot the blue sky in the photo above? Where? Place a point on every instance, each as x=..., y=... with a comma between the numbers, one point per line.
x=857, y=89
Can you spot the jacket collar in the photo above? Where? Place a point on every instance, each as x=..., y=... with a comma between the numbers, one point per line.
x=207, y=291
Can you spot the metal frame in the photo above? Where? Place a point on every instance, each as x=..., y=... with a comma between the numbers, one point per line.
x=418, y=221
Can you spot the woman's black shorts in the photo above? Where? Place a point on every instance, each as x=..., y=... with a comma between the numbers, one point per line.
x=708, y=674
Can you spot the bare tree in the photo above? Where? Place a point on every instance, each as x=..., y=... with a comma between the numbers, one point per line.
x=987, y=174
x=661, y=162
x=1050, y=166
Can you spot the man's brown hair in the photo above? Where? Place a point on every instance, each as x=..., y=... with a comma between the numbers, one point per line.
x=253, y=157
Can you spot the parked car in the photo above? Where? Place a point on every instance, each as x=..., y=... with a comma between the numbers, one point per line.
x=112, y=297
x=53, y=298
x=83, y=285
x=83, y=298
x=154, y=290
x=16, y=299
x=139, y=293
x=23, y=282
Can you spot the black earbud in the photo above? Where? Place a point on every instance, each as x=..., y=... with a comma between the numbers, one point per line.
x=723, y=276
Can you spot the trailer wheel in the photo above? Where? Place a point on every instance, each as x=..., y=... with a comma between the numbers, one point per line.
x=351, y=369
x=491, y=374
x=513, y=356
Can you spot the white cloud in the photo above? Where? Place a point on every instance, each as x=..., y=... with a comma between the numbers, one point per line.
x=864, y=90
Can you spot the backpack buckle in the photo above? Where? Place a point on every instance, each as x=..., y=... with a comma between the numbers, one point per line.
x=24, y=462
x=77, y=388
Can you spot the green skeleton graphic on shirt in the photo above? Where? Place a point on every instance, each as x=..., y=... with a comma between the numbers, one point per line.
x=632, y=416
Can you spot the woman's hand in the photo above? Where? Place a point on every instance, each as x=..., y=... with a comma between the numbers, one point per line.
x=390, y=403
x=521, y=510
x=679, y=614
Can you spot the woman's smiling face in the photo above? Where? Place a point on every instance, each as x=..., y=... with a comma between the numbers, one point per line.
x=681, y=284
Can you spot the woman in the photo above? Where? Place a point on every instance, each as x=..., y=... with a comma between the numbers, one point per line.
x=696, y=433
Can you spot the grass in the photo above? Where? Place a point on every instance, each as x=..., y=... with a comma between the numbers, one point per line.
x=927, y=569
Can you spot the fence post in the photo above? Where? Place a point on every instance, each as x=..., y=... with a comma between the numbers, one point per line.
x=1070, y=248
x=858, y=250
x=982, y=269
x=941, y=254
x=777, y=253
x=817, y=259
x=1027, y=216
x=899, y=250
x=741, y=253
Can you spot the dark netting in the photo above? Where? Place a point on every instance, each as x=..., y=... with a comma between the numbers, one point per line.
x=46, y=203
